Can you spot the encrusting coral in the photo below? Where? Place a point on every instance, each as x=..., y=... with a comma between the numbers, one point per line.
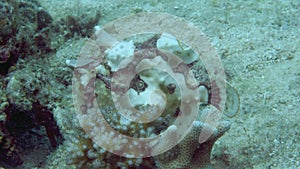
x=27, y=30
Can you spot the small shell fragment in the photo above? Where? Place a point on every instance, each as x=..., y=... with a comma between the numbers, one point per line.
x=232, y=104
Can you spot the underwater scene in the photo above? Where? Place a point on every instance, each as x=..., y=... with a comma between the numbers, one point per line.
x=149, y=84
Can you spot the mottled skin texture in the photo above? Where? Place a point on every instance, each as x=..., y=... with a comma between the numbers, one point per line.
x=189, y=153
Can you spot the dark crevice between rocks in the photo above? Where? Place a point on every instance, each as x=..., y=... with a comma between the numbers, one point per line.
x=32, y=136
